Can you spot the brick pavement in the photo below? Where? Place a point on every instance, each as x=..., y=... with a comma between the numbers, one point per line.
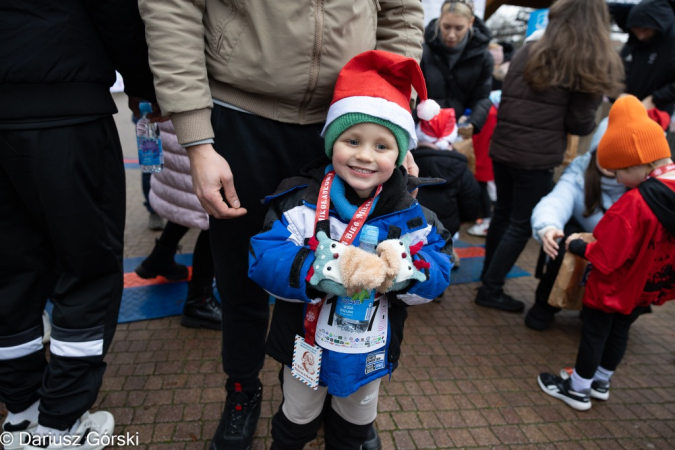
x=467, y=377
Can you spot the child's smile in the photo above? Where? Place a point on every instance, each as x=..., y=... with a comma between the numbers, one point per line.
x=364, y=156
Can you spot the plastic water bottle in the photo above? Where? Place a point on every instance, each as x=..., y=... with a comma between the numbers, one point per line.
x=463, y=121
x=369, y=235
x=354, y=314
x=150, y=156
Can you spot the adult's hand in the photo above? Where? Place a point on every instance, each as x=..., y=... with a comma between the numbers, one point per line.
x=210, y=174
x=154, y=116
x=412, y=168
x=550, y=241
x=465, y=132
x=649, y=102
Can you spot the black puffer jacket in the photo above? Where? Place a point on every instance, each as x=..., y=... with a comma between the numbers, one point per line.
x=650, y=66
x=469, y=82
x=532, y=126
x=456, y=201
x=58, y=58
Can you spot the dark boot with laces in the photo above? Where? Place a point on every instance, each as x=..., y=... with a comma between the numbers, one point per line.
x=240, y=417
x=201, y=309
x=161, y=262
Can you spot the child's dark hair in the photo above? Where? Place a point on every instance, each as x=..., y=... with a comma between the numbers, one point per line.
x=592, y=187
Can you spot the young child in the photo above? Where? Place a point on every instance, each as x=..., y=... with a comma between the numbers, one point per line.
x=633, y=258
x=457, y=200
x=338, y=321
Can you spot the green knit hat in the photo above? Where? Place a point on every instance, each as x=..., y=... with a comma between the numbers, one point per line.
x=345, y=121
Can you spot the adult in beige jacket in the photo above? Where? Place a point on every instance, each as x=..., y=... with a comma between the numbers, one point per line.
x=247, y=85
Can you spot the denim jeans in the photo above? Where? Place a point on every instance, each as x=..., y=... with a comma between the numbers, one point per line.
x=518, y=192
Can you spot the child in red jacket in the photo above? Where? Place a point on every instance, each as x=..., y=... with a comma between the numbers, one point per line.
x=633, y=258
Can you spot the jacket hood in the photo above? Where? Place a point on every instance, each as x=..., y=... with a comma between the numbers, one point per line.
x=312, y=175
x=654, y=14
x=449, y=161
x=479, y=39
x=661, y=200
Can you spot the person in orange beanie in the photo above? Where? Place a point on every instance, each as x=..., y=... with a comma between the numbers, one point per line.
x=633, y=257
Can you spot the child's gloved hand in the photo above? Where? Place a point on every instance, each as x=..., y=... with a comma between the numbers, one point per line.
x=344, y=270
x=400, y=269
x=325, y=274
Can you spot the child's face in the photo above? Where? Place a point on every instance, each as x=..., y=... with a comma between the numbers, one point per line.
x=364, y=156
x=632, y=176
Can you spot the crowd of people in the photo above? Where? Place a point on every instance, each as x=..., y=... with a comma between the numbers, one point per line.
x=308, y=106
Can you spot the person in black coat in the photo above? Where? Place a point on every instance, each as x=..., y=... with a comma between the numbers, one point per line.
x=62, y=191
x=649, y=54
x=457, y=65
x=458, y=199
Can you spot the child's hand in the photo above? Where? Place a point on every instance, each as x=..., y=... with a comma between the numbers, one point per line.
x=341, y=269
x=400, y=269
x=571, y=238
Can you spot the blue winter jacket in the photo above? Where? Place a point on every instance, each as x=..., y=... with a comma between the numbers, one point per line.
x=280, y=258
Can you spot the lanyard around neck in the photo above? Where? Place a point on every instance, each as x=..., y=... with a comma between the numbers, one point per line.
x=661, y=170
x=359, y=218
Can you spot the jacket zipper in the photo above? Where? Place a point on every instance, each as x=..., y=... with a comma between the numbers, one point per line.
x=316, y=59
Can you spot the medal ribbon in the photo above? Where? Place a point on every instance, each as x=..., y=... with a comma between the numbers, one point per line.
x=350, y=233
x=661, y=170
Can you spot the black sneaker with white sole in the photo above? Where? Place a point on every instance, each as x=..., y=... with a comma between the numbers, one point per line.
x=561, y=389
x=599, y=390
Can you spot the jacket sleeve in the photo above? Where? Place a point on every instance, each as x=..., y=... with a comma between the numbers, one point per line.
x=666, y=94
x=175, y=36
x=437, y=251
x=556, y=209
x=278, y=259
x=614, y=244
x=400, y=27
x=468, y=198
x=580, y=115
x=120, y=28
x=479, y=101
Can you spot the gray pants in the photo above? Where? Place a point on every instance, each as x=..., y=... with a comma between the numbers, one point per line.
x=302, y=404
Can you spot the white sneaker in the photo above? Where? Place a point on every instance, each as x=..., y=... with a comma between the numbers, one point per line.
x=479, y=229
x=13, y=434
x=93, y=433
x=47, y=326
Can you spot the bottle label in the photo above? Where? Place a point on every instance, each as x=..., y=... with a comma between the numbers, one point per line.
x=349, y=325
x=149, y=151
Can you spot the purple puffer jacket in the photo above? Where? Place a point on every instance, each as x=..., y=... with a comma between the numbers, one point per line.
x=171, y=192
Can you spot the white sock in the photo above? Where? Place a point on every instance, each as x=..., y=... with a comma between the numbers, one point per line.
x=30, y=414
x=580, y=384
x=53, y=432
x=603, y=375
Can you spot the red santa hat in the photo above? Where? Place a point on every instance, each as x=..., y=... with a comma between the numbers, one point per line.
x=378, y=84
x=440, y=131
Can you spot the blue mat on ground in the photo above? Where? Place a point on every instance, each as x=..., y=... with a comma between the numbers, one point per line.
x=165, y=299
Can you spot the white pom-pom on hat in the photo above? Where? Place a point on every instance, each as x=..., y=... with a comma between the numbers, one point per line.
x=428, y=109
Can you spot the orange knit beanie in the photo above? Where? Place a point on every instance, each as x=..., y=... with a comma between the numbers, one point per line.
x=632, y=138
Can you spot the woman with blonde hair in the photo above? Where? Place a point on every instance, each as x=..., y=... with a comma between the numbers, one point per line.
x=457, y=65
x=554, y=87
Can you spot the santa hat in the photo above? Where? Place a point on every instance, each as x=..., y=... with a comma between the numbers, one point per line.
x=375, y=86
x=440, y=131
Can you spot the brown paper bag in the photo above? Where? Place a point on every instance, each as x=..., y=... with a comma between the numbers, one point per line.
x=465, y=147
x=570, y=284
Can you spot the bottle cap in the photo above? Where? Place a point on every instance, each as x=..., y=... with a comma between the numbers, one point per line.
x=145, y=107
x=369, y=234
x=467, y=112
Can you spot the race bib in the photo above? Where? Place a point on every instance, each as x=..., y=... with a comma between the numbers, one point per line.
x=353, y=325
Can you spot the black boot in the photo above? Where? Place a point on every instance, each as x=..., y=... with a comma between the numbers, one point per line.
x=240, y=417
x=161, y=262
x=539, y=317
x=201, y=310
x=498, y=300
x=373, y=442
